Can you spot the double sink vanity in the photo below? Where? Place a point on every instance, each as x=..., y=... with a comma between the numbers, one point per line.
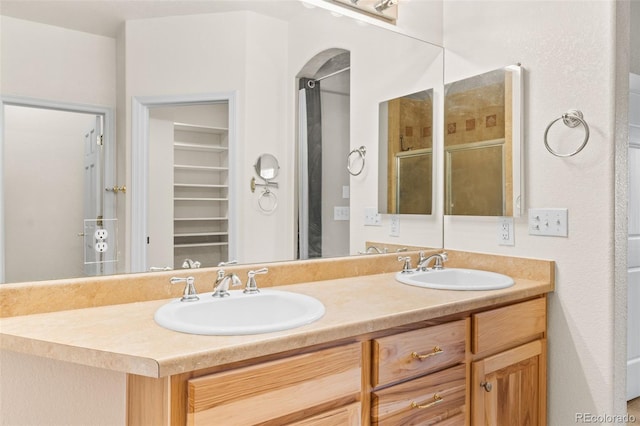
x=325, y=342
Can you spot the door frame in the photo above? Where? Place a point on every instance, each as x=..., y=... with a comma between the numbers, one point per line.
x=140, y=106
x=109, y=150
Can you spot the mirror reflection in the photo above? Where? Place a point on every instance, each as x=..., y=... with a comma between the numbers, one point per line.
x=258, y=56
x=267, y=167
x=482, y=144
x=406, y=154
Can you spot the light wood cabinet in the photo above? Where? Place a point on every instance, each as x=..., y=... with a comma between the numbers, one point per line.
x=508, y=386
x=475, y=368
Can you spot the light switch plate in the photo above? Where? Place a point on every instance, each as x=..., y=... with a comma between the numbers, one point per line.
x=549, y=222
x=372, y=217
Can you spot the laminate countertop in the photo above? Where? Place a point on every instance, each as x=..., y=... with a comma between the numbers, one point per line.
x=125, y=337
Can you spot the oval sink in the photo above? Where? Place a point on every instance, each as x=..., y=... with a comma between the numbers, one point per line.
x=239, y=313
x=456, y=279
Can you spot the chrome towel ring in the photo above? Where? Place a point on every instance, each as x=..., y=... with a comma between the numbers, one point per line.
x=268, y=201
x=362, y=151
x=572, y=118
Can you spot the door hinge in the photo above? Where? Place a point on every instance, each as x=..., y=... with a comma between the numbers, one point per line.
x=100, y=140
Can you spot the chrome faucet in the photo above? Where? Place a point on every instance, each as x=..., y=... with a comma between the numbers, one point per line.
x=252, y=286
x=189, y=293
x=423, y=262
x=190, y=264
x=221, y=286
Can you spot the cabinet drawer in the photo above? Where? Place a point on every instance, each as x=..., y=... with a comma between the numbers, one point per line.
x=306, y=384
x=504, y=327
x=438, y=397
x=417, y=352
x=343, y=416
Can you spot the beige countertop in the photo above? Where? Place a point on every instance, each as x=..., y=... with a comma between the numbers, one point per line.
x=125, y=337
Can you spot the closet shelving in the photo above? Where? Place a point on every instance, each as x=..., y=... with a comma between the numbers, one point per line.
x=201, y=193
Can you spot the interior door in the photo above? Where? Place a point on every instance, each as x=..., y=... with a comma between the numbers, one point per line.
x=633, y=300
x=93, y=189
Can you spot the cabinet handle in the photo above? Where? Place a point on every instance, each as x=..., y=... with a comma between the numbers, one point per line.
x=437, y=399
x=436, y=350
x=487, y=386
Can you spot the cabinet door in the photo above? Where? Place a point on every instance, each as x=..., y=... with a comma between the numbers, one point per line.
x=509, y=388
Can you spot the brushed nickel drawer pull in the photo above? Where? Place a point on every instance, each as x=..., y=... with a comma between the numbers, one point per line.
x=437, y=399
x=436, y=350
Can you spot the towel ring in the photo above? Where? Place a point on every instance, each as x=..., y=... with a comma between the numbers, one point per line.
x=362, y=151
x=572, y=118
x=268, y=201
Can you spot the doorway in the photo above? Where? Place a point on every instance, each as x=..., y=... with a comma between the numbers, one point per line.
x=183, y=182
x=56, y=162
x=323, y=148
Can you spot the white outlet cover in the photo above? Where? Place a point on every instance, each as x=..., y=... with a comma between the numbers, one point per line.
x=505, y=231
x=101, y=247
x=394, y=230
x=101, y=234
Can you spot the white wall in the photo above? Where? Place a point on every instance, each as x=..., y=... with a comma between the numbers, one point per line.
x=38, y=391
x=567, y=50
x=635, y=37
x=47, y=62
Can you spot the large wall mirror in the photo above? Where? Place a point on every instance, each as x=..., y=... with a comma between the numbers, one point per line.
x=482, y=144
x=108, y=53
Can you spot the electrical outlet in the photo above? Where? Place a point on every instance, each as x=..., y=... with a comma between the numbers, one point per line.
x=101, y=247
x=549, y=222
x=506, y=231
x=101, y=234
x=394, y=230
x=372, y=217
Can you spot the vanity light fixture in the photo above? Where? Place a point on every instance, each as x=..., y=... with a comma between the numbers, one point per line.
x=385, y=4
x=382, y=9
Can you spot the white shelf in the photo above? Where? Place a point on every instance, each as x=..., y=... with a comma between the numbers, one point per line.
x=198, y=185
x=198, y=219
x=200, y=168
x=198, y=147
x=199, y=199
x=200, y=234
x=200, y=129
x=199, y=150
x=187, y=245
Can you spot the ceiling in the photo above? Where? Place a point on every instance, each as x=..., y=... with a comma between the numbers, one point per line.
x=105, y=17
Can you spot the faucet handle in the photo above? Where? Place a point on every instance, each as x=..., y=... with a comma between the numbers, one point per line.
x=252, y=286
x=440, y=259
x=406, y=268
x=189, y=294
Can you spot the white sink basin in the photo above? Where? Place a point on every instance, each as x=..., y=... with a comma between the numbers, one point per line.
x=239, y=313
x=456, y=279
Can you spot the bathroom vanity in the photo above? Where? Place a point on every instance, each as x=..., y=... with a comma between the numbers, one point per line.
x=384, y=353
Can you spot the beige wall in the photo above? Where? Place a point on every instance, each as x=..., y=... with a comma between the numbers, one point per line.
x=635, y=37
x=565, y=47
